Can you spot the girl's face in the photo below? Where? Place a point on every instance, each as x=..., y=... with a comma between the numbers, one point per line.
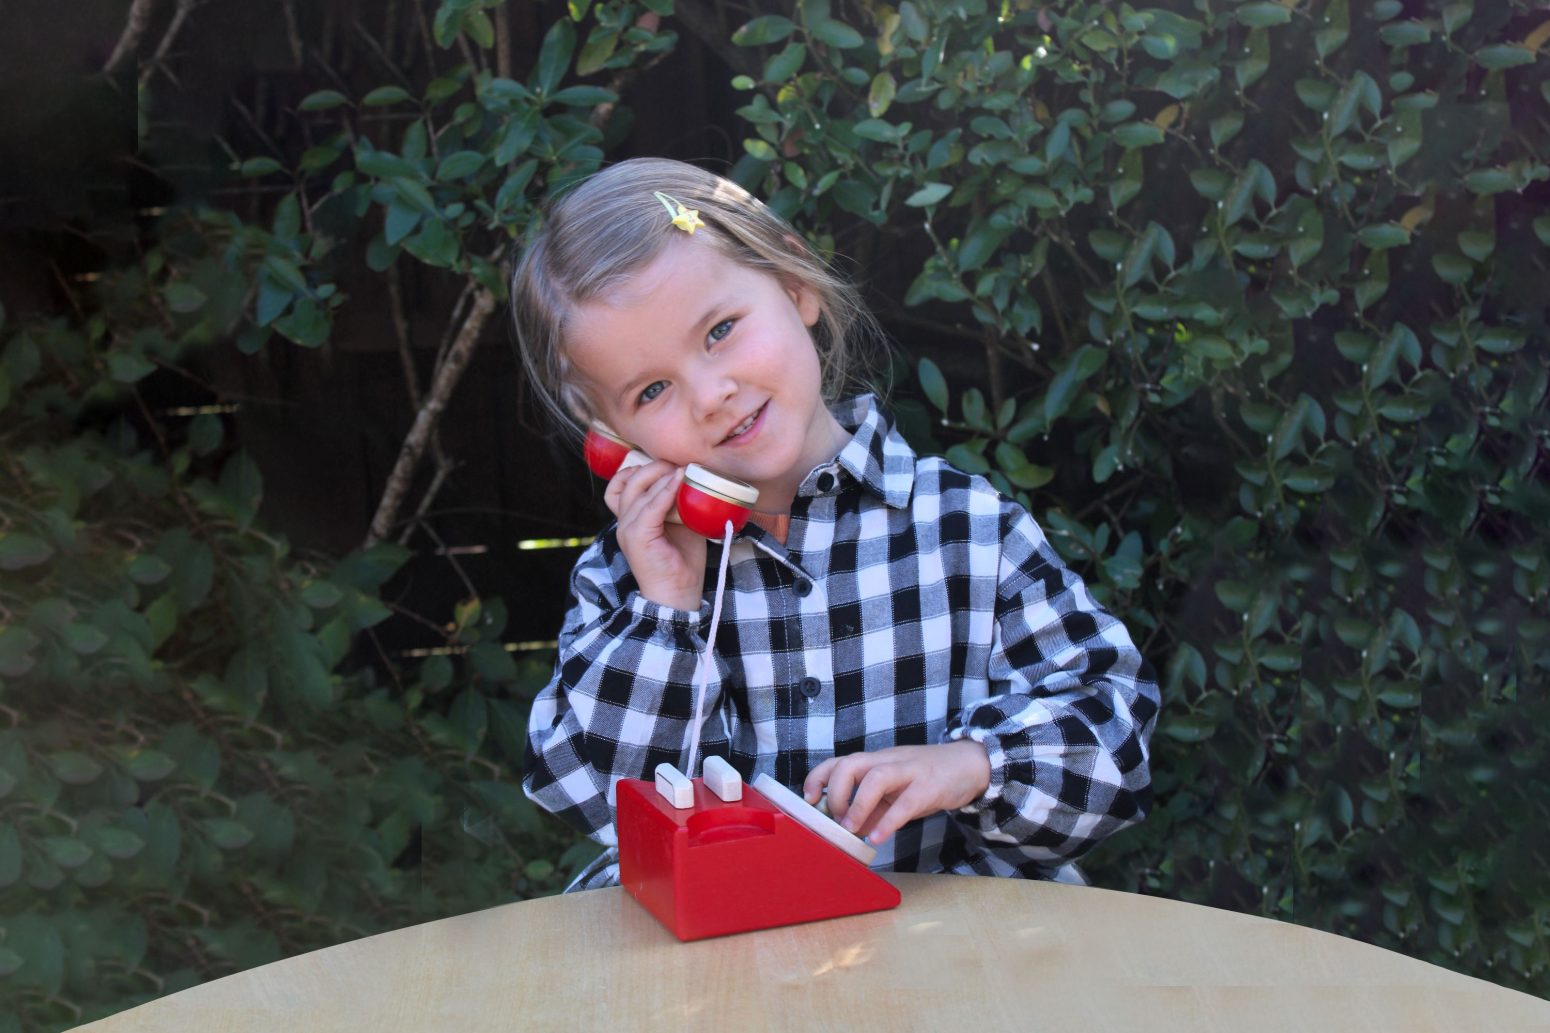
x=697, y=359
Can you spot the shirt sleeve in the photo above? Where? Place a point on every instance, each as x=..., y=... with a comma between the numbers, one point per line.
x=1069, y=715
x=622, y=696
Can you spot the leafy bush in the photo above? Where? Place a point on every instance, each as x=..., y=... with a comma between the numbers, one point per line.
x=1258, y=293
x=207, y=760
x=186, y=787
x=1253, y=297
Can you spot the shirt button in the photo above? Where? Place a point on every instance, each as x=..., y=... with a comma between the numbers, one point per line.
x=811, y=687
x=803, y=588
x=825, y=482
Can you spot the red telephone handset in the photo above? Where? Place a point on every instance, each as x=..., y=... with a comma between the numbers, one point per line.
x=706, y=501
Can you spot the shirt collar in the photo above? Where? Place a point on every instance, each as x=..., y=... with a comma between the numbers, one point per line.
x=876, y=454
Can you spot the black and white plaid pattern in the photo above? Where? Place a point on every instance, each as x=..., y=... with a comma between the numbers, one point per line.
x=911, y=604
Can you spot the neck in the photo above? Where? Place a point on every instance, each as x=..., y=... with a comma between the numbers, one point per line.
x=824, y=443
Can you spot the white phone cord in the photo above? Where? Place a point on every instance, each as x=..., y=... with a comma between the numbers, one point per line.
x=703, y=678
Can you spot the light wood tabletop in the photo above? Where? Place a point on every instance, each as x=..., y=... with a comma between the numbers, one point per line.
x=959, y=953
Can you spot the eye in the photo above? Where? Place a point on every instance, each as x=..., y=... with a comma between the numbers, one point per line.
x=653, y=389
x=720, y=331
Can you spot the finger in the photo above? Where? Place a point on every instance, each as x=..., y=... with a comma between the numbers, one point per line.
x=909, y=805
x=637, y=481
x=842, y=783
x=812, y=786
x=882, y=781
x=613, y=492
x=651, y=503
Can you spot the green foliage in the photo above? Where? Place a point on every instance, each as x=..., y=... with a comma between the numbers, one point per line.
x=195, y=777
x=207, y=761
x=1258, y=285
x=1261, y=291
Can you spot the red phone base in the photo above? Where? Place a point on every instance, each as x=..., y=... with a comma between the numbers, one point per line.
x=718, y=868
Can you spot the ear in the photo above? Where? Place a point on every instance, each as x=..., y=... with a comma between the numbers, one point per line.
x=806, y=301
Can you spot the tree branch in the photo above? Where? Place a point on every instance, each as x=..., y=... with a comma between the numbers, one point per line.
x=134, y=32
x=178, y=18
x=503, y=41
x=448, y=373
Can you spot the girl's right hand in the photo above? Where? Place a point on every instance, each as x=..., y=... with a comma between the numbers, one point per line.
x=668, y=560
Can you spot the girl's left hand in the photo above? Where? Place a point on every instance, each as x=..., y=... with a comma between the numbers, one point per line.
x=875, y=794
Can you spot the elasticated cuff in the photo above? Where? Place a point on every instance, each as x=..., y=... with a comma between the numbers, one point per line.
x=992, y=743
x=687, y=627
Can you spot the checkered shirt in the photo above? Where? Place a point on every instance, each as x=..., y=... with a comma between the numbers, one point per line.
x=911, y=604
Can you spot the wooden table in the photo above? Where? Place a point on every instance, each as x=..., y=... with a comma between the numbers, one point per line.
x=975, y=954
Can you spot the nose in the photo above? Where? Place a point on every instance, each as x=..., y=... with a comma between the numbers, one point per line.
x=712, y=390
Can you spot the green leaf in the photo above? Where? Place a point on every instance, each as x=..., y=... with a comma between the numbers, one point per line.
x=227, y=833
x=322, y=100
x=1499, y=340
x=599, y=47
x=968, y=458
x=119, y=844
x=769, y=28
x=554, y=56
x=16, y=646
x=928, y=194
x=385, y=95
x=148, y=569
x=1453, y=268
x=785, y=64
x=10, y=855
x=1263, y=15
x=1234, y=595
x=480, y=29
x=1504, y=55
x=75, y=768
x=837, y=34
x=184, y=297
x=1309, y=240
x=1082, y=364
x=881, y=95
x=980, y=244
x=242, y=486
x=85, y=639
x=66, y=851
x=1138, y=134
x=1385, y=235
x=933, y=384
x=20, y=551
x=492, y=662
x=149, y=765
x=877, y=129
x=1030, y=476
x=1225, y=128
x=129, y=368
x=584, y=96
x=306, y=324
x=260, y=167
x=459, y=164
x=1405, y=33
x=1490, y=181
x=1477, y=244
x=1542, y=229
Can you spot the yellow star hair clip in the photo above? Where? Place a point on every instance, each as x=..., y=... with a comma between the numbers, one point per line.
x=686, y=219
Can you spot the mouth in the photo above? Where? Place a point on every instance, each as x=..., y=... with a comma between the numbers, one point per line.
x=743, y=428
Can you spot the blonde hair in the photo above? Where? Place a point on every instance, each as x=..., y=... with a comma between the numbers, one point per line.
x=591, y=239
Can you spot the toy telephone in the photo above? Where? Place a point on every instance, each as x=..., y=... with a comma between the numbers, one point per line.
x=708, y=858
x=706, y=501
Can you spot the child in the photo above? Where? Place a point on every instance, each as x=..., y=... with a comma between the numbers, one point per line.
x=896, y=633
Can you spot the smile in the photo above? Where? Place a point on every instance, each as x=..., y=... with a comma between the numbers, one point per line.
x=746, y=425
